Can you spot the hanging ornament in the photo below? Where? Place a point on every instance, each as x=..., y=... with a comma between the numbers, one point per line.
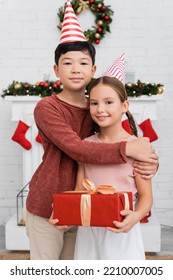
x=100, y=22
x=97, y=42
x=103, y=8
x=99, y=30
x=97, y=36
x=106, y=17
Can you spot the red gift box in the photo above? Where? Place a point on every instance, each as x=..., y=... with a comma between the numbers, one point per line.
x=90, y=209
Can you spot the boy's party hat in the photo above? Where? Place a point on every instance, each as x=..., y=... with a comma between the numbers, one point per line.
x=71, y=30
x=117, y=69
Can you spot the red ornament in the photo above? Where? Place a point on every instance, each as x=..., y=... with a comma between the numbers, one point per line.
x=54, y=85
x=99, y=30
x=46, y=85
x=97, y=42
x=41, y=84
x=91, y=1
x=58, y=82
x=103, y=8
x=25, y=85
x=106, y=17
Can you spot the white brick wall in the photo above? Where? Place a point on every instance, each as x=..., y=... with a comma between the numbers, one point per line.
x=143, y=29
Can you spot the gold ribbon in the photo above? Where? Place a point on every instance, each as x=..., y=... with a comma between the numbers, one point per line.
x=85, y=208
x=85, y=203
x=126, y=202
x=83, y=6
x=103, y=189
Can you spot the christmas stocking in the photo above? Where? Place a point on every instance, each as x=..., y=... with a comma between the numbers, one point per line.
x=23, y=125
x=19, y=135
x=38, y=139
x=126, y=126
x=148, y=130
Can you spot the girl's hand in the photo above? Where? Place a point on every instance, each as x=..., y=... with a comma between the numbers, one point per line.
x=54, y=223
x=146, y=170
x=131, y=218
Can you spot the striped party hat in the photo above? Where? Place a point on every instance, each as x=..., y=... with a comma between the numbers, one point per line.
x=117, y=69
x=71, y=30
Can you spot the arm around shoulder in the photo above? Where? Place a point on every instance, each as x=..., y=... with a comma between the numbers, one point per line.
x=142, y=150
x=55, y=129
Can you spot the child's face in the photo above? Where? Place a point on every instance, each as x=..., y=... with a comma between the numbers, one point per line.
x=75, y=70
x=106, y=109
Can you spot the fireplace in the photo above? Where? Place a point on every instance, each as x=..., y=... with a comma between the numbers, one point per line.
x=16, y=238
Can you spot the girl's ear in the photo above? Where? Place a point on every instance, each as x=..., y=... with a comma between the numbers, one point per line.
x=55, y=67
x=125, y=106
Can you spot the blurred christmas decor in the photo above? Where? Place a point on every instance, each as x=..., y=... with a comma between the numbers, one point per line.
x=103, y=18
x=137, y=89
x=42, y=89
x=46, y=88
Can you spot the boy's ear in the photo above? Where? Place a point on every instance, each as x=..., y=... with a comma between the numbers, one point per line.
x=94, y=69
x=55, y=67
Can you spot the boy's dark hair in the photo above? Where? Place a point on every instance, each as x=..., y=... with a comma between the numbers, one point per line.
x=75, y=46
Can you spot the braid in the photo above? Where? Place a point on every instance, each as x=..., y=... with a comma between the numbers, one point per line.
x=132, y=123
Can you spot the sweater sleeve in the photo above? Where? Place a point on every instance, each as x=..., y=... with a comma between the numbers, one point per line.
x=57, y=131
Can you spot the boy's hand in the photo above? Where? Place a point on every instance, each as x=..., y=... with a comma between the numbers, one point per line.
x=55, y=221
x=131, y=218
x=146, y=170
x=141, y=150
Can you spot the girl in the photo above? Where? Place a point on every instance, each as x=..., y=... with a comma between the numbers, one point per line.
x=108, y=103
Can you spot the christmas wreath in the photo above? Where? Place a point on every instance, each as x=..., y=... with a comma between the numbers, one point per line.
x=102, y=15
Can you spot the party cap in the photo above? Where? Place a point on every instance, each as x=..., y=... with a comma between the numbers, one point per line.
x=71, y=30
x=117, y=69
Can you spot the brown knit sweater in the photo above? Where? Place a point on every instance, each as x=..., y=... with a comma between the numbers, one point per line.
x=61, y=127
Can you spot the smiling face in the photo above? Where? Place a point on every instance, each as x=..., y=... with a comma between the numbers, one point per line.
x=75, y=70
x=106, y=108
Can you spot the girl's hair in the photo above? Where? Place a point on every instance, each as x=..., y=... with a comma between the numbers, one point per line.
x=120, y=89
x=75, y=46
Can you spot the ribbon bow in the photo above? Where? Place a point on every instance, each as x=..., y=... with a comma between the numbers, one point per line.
x=83, y=5
x=103, y=189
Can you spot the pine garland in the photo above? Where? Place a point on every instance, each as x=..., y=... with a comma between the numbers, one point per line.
x=46, y=88
x=137, y=89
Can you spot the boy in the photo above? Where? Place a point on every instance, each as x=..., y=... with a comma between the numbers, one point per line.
x=63, y=120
